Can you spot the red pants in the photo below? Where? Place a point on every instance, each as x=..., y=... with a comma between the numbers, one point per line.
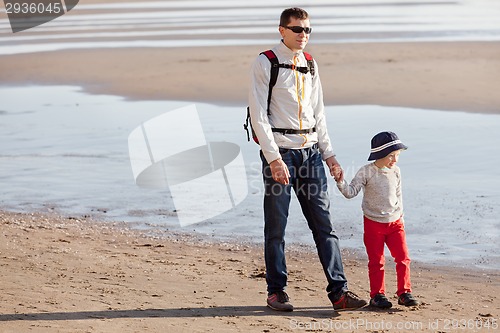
x=377, y=234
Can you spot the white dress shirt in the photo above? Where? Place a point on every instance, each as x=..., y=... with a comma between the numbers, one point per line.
x=296, y=103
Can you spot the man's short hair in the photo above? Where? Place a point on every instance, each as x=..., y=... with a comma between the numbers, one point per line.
x=295, y=12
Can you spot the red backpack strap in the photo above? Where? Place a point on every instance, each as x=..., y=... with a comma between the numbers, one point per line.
x=310, y=62
x=274, y=75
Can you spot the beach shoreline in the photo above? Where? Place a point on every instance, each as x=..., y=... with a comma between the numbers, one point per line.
x=77, y=274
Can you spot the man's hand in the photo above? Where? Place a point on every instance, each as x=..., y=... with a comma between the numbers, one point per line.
x=335, y=169
x=280, y=171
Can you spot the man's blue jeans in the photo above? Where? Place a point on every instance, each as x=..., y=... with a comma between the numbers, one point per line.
x=308, y=181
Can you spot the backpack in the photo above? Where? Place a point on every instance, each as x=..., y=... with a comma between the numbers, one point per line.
x=275, y=66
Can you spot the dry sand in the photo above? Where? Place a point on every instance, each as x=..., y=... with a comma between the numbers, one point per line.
x=75, y=275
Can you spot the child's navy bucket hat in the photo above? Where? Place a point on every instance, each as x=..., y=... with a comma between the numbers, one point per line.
x=383, y=144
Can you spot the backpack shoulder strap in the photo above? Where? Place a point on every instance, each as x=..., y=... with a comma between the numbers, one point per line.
x=310, y=62
x=274, y=74
x=275, y=66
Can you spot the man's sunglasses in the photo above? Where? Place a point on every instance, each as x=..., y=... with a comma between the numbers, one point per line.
x=299, y=30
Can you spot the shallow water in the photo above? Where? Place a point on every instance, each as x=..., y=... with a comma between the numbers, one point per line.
x=66, y=151
x=218, y=23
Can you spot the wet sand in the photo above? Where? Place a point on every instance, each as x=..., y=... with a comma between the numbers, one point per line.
x=459, y=76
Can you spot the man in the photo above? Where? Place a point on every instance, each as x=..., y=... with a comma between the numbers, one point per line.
x=294, y=142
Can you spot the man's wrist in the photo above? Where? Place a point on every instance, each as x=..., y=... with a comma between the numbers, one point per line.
x=329, y=156
x=276, y=160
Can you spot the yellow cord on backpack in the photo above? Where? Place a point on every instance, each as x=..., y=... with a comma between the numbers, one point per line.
x=300, y=97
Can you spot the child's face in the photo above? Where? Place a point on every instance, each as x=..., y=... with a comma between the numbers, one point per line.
x=389, y=161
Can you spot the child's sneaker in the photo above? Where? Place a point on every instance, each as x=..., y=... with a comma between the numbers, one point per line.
x=380, y=301
x=407, y=299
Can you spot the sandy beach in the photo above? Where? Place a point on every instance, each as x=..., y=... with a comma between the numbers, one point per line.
x=74, y=274
x=70, y=274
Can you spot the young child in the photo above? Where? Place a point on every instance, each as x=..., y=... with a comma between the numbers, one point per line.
x=383, y=217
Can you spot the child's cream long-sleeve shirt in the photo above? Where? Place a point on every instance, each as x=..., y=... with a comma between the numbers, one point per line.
x=382, y=198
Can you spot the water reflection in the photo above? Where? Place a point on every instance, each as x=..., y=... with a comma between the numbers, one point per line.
x=67, y=151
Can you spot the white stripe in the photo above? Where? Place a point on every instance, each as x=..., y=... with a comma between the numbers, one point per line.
x=64, y=7
x=395, y=142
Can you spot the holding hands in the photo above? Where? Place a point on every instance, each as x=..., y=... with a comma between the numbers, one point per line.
x=281, y=174
x=335, y=169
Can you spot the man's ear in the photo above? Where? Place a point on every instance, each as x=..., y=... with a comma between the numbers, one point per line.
x=282, y=31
